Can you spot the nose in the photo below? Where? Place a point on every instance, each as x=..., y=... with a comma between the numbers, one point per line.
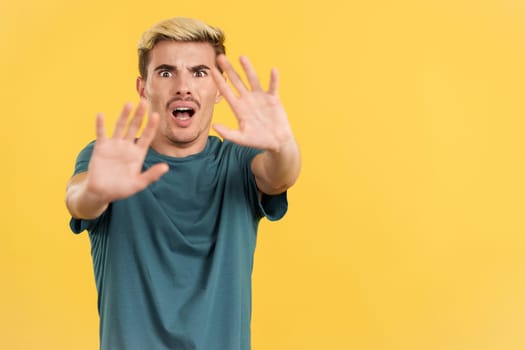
x=182, y=85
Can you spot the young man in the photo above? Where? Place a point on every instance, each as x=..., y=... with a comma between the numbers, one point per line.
x=172, y=214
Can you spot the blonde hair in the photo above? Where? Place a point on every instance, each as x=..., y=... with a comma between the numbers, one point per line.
x=178, y=29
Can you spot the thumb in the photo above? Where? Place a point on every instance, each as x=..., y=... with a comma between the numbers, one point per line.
x=227, y=133
x=153, y=174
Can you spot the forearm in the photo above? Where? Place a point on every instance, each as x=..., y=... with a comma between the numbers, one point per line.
x=81, y=202
x=277, y=170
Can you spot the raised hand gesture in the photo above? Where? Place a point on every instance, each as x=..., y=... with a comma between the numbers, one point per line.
x=115, y=169
x=263, y=122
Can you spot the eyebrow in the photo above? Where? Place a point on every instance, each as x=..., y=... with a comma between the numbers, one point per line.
x=164, y=67
x=171, y=68
x=199, y=67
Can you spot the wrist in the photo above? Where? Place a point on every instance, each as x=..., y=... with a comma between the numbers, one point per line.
x=94, y=202
x=284, y=144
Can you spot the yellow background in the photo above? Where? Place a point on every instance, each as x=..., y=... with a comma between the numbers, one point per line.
x=406, y=228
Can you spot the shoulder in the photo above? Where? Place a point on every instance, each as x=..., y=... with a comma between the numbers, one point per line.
x=83, y=158
x=241, y=153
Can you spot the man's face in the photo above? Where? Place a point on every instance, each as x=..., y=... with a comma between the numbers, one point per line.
x=180, y=88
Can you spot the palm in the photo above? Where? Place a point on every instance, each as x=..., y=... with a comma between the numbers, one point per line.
x=263, y=122
x=115, y=168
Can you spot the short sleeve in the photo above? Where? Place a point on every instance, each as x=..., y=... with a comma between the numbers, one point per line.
x=274, y=207
x=82, y=163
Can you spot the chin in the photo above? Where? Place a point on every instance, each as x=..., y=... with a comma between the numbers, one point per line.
x=180, y=138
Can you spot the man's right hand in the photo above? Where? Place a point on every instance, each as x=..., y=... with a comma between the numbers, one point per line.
x=115, y=167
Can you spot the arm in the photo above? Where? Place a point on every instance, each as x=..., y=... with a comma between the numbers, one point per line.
x=82, y=203
x=277, y=171
x=263, y=124
x=115, y=168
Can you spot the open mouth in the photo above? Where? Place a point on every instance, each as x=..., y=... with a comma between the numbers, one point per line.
x=183, y=113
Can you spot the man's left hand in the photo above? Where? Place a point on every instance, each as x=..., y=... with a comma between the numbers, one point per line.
x=263, y=122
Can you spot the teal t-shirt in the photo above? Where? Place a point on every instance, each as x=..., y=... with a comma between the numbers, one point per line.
x=173, y=263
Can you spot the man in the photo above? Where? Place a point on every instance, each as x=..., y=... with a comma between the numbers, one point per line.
x=172, y=214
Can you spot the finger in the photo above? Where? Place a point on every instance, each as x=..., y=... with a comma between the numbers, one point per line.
x=251, y=75
x=149, y=131
x=136, y=121
x=153, y=174
x=120, y=125
x=223, y=86
x=228, y=134
x=274, y=82
x=231, y=74
x=100, y=128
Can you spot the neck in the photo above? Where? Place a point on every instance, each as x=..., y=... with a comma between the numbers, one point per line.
x=179, y=149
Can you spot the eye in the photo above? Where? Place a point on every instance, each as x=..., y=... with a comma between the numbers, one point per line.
x=200, y=73
x=165, y=74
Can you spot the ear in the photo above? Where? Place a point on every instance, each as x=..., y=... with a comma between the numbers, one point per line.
x=141, y=86
x=218, y=98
